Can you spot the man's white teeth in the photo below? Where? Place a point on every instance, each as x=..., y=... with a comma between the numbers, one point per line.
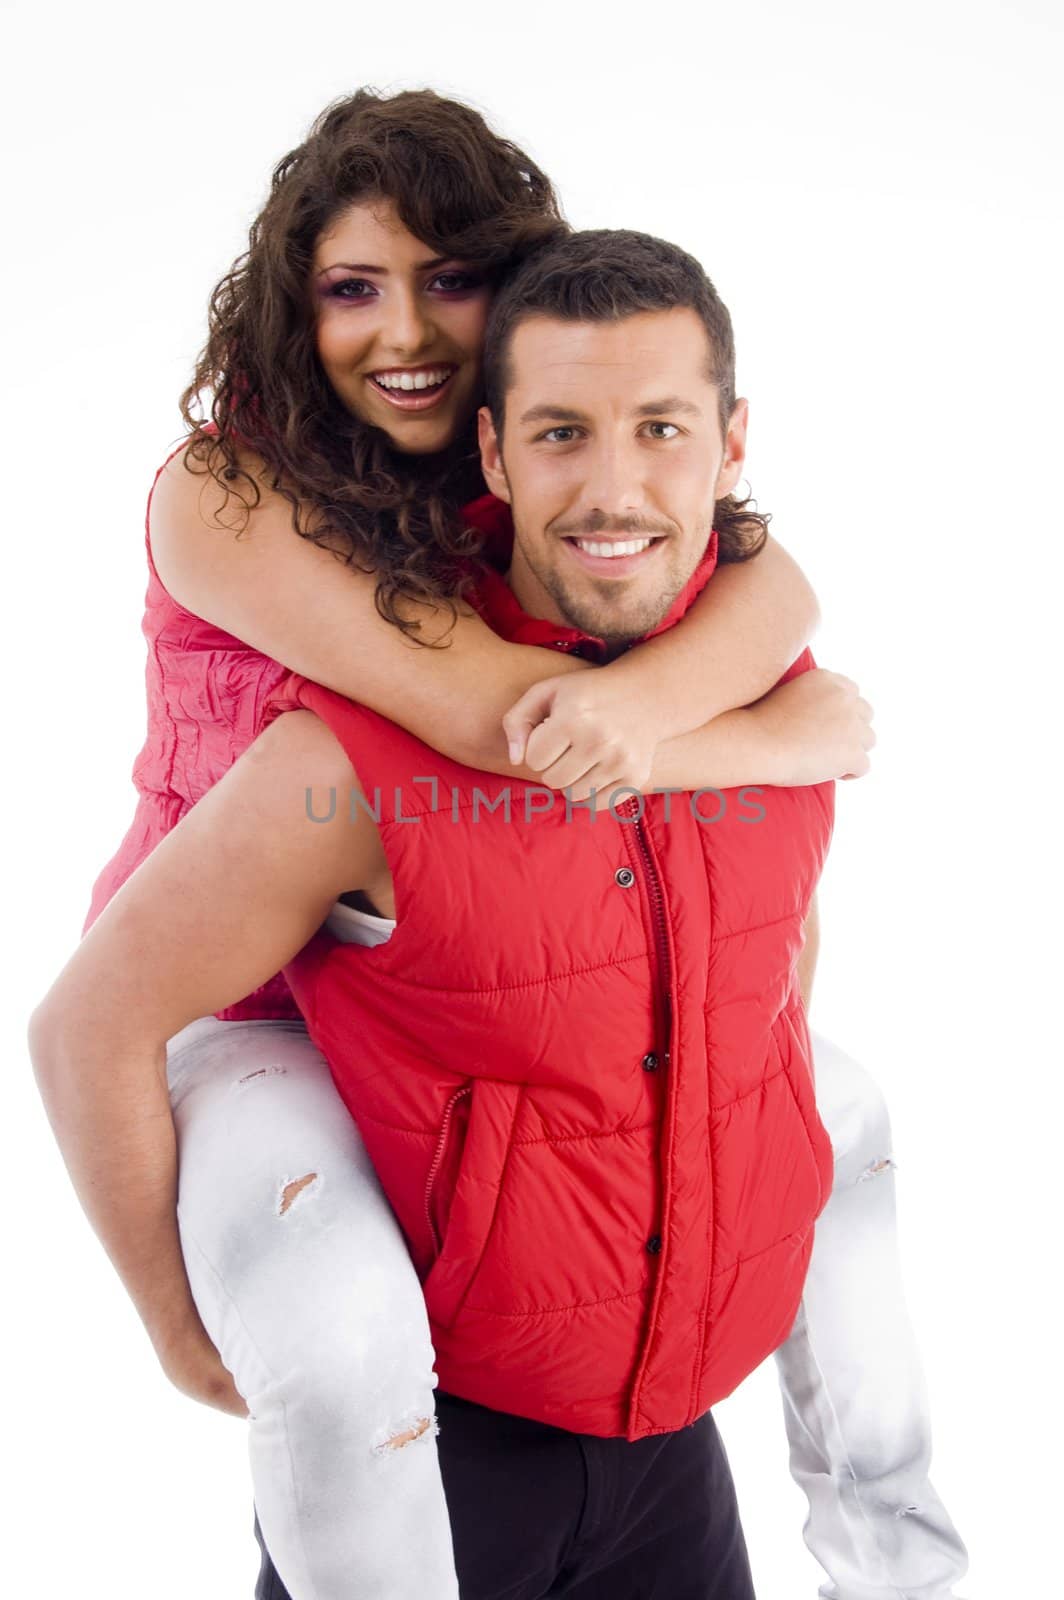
x=616, y=547
x=412, y=380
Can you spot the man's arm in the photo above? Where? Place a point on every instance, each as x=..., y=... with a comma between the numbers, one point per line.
x=810, y=950
x=231, y=895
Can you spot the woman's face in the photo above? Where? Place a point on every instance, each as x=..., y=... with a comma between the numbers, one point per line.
x=399, y=330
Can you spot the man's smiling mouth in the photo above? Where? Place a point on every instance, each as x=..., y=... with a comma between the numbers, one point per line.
x=613, y=557
x=613, y=547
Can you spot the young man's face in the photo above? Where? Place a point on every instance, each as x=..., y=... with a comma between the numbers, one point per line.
x=613, y=454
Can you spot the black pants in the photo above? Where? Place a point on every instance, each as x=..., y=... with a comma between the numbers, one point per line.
x=538, y=1512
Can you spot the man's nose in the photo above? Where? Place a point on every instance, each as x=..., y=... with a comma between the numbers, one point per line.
x=407, y=326
x=613, y=481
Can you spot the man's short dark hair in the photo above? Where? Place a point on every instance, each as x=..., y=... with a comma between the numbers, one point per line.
x=604, y=275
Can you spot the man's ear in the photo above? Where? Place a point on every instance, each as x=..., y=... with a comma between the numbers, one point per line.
x=491, y=456
x=731, y=466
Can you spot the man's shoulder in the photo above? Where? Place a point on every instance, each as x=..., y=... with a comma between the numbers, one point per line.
x=300, y=744
x=298, y=772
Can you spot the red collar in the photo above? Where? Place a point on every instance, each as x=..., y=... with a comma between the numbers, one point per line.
x=498, y=605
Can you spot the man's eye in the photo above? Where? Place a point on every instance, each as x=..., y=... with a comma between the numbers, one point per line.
x=663, y=430
x=559, y=435
x=352, y=289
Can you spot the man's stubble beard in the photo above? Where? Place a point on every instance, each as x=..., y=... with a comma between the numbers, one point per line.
x=597, y=612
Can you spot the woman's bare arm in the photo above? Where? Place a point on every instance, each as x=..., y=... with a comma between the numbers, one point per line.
x=812, y=729
x=750, y=622
x=298, y=603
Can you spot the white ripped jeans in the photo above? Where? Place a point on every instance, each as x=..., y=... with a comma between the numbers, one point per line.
x=303, y=1281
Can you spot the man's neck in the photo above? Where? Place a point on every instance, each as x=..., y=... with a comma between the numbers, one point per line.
x=534, y=598
x=546, y=610
x=537, y=602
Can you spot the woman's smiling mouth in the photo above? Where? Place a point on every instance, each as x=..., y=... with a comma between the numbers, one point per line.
x=413, y=388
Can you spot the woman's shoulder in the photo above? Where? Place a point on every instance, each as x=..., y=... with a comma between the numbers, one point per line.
x=184, y=522
x=193, y=495
x=203, y=511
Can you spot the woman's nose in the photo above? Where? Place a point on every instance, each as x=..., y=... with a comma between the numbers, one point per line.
x=407, y=326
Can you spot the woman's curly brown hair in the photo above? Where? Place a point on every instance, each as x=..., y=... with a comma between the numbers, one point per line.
x=462, y=190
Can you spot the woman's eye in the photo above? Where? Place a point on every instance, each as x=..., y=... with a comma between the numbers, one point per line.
x=664, y=430
x=449, y=282
x=352, y=289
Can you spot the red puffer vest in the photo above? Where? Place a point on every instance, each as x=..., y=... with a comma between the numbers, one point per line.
x=582, y=1070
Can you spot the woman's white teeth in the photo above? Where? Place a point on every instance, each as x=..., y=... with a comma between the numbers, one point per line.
x=616, y=547
x=411, y=380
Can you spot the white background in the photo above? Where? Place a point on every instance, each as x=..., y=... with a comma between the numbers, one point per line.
x=873, y=190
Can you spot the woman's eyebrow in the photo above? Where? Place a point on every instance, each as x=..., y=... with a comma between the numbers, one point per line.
x=364, y=266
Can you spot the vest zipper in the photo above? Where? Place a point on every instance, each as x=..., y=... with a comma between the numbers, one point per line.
x=441, y=1145
x=661, y=940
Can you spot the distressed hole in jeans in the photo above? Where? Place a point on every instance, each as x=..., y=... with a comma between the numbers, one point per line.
x=291, y=1191
x=416, y=1430
x=876, y=1168
x=263, y=1072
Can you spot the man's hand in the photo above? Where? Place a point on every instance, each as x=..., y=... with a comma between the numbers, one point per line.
x=194, y=1366
x=582, y=732
x=816, y=727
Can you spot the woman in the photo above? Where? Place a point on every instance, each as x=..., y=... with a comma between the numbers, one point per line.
x=315, y=525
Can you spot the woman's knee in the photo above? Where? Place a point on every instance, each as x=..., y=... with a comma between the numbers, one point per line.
x=357, y=1364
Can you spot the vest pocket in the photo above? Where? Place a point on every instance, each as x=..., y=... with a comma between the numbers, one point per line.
x=461, y=1230
x=445, y=1164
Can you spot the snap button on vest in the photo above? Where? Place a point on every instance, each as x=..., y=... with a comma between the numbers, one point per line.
x=650, y=1062
x=654, y=1244
x=625, y=877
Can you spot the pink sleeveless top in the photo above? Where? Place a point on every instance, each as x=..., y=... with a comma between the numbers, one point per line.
x=206, y=694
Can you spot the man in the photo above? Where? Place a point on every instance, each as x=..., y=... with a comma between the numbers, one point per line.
x=612, y=430
x=581, y=1064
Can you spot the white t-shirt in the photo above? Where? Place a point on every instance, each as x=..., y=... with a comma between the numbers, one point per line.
x=358, y=927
